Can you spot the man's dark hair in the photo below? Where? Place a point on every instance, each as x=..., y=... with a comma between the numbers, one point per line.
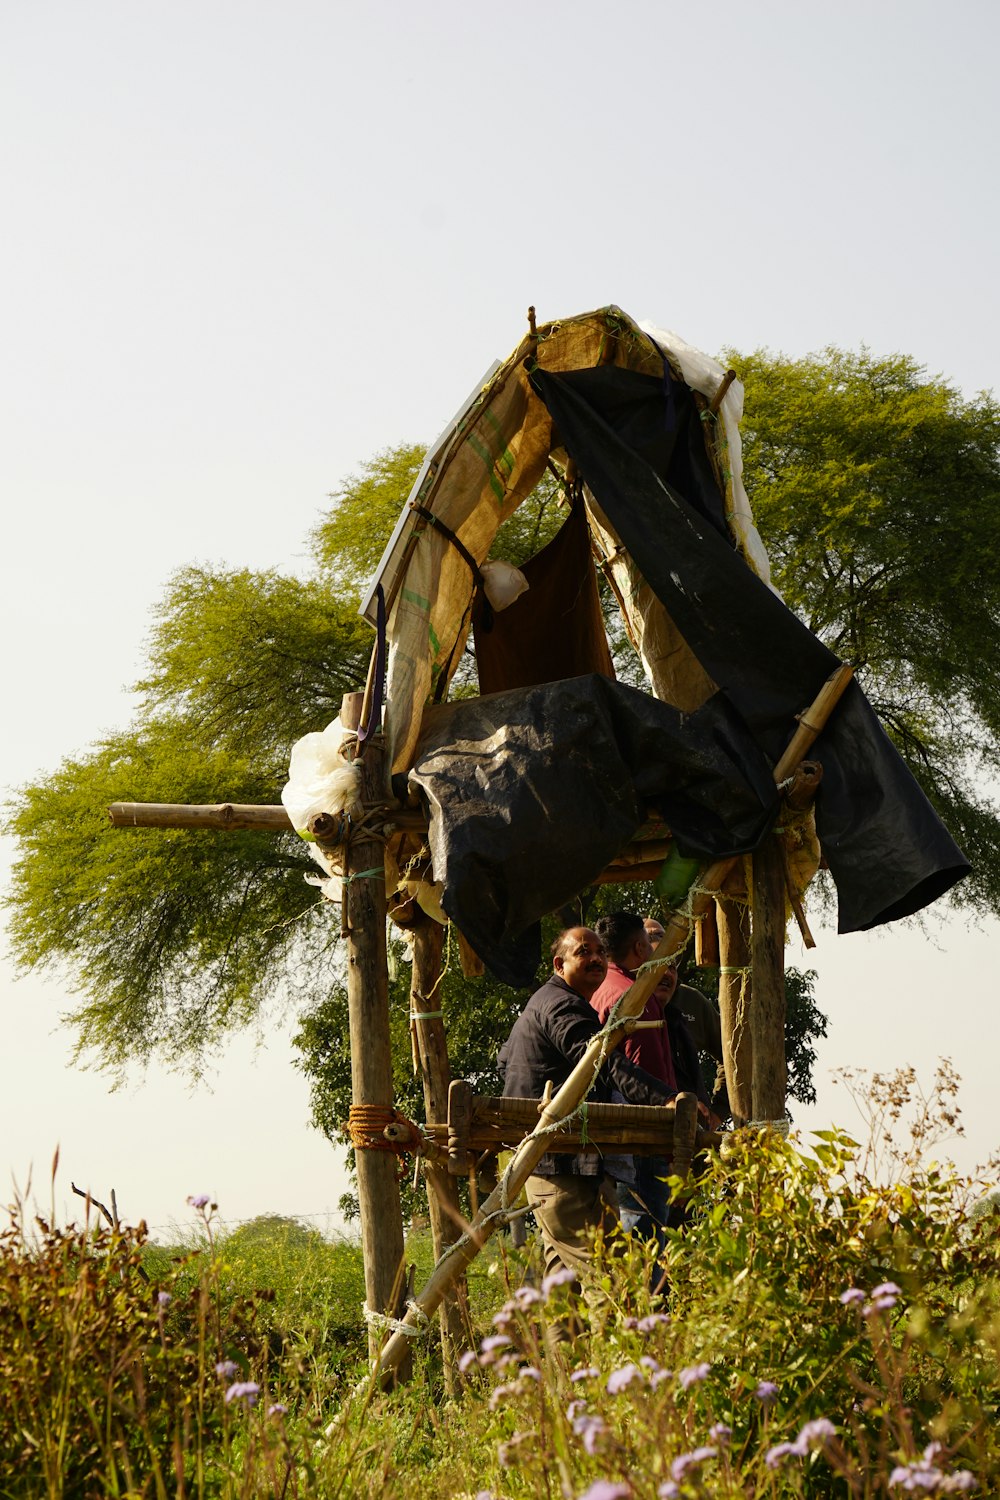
x=618, y=930
x=558, y=942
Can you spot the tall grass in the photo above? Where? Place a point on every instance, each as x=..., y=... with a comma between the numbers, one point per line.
x=826, y=1328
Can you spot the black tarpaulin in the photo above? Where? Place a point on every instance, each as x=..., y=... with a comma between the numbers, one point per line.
x=888, y=851
x=533, y=792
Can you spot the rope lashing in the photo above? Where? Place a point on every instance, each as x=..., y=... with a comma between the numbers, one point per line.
x=426, y=1015
x=365, y=1124
x=780, y=1127
x=396, y=1325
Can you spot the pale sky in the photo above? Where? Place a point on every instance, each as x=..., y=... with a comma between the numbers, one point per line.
x=247, y=245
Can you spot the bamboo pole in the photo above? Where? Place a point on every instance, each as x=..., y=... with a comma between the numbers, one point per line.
x=720, y=391
x=224, y=815
x=237, y=815
x=435, y=1071
x=767, y=1008
x=371, y=1054
x=580, y=1080
x=734, y=1001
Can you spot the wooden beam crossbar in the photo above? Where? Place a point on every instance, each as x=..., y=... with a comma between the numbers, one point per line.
x=486, y=1125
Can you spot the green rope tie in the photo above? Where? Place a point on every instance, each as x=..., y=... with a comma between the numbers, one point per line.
x=426, y=1015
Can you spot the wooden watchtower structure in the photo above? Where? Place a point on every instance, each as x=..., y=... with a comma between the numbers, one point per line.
x=456, y=809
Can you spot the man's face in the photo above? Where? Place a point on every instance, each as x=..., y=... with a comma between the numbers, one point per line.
x=667, y=987
x=581, y=961
x=642, y=949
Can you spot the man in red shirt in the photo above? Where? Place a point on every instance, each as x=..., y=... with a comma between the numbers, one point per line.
x=642, y=1190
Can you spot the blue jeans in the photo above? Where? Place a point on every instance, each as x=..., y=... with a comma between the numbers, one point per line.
x=645, y=1208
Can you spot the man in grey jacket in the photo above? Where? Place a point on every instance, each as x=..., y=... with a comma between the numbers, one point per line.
x=571, y=1197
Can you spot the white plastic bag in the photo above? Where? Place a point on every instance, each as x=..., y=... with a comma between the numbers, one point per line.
x=320, y=780
x=502, y=583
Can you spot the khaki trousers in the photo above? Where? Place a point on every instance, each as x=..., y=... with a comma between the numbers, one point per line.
x=569, y=1211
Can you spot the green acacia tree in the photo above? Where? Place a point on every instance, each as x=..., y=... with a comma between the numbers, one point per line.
x=853, y=465
x=173, y=938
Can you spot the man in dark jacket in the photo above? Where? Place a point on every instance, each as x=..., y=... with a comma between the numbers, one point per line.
x=571, y=1197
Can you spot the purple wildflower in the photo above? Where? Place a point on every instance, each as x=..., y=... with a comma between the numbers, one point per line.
x=692, y=1374
x=574, y=1409
x=685, y=1461
x=766, y=1392
x=527, y=1296
x=647, y=1324
x=921, y=1476
x=494, y=1342
x=246, y=1391
x=814, y=1434
x=226, y=1369
x=591, y=1428
x=164, y=1299
x=529, y=1372
x=587, y=1372
x=851, y=1295
x=277, y=1410
x=607, y=1489
x=669, y=1490
x=720, y=1434
x=500, y=1393
x=775, y=1457
x=649, y=1363
x=886, y=1289
x=620, y=1380
x=557, y=1278
x=199, y=1200
x=468, y=1359
x=506, y=1451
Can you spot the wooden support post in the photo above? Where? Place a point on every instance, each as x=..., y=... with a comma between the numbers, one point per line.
x=435, y=1071
x=685, y=1133
x=767, y=1011
x=371, y=1055
x=734, y=1002
x=460, y=1160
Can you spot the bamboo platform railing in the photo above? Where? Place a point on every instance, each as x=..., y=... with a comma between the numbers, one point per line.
x=478, y=1126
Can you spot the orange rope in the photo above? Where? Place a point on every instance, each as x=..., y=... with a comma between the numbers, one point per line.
x=366, y=1124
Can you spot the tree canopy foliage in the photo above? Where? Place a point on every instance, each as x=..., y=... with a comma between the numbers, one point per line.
x=875, y=491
